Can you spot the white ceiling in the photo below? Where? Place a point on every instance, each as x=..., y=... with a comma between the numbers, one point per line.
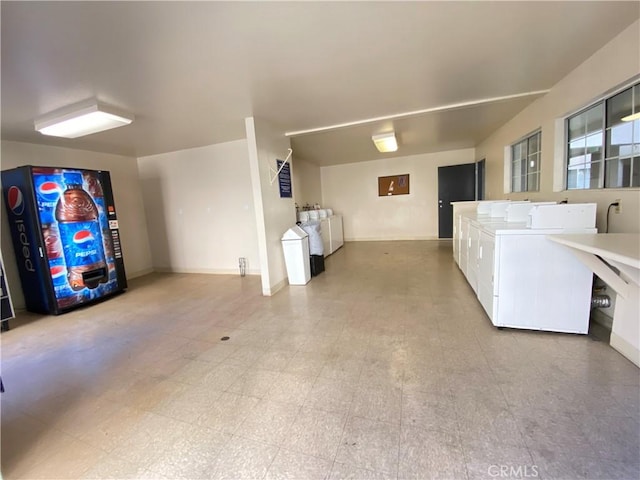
x=192, y=71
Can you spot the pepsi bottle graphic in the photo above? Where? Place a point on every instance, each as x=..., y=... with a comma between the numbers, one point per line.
x=65, y=296
x=52, y=245
x=79, y=226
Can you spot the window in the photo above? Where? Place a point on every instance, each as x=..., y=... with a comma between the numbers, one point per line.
x=525, y=164
x=603, y=150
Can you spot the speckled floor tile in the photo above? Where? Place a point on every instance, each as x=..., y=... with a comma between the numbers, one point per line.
x=269, y=422
x=223, y=376
x=341, y=471
x=70, y=459
x=276, y=358
x=144, y=445
x=290, y=388
x=188, y=403
x=330, y=396
x=430, y=454
x=245, y=355
x=427, y=410
x=294, y=466
x=316, y=433
x=254, y=383
x=242, y=458
x=385, y=366
x=227, y=412
x=561, y=465
x=219, y=351
x=112, y=431
x=613, y=438
x=111, y=467
x=306, y=364
x=345, y=368
x=193, y=372
x=48, y=447
x=381, y=376
x=381, y=403
x=485, y=461
x=371, y=445
x=498, y=426
x=421, y=379
x=548, y=430
x=190, y=456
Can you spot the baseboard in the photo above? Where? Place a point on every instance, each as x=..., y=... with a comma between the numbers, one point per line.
x=625, y=348
x=394, y=239
x=207, y=271
x=140, y=273
x=268, y=292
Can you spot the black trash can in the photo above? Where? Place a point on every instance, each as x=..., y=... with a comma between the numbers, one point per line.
x=317, y=264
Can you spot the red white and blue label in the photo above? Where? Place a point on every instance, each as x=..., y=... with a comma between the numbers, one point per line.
x=82, y=242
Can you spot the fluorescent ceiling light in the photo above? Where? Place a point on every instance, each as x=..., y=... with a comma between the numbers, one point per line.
x=81, y=119
x=631, y=118
x=385, y=142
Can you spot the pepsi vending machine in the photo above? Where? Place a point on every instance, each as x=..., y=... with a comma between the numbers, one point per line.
x=65, y=234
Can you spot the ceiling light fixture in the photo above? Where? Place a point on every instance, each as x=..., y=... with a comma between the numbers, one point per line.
x=83, y=118
x=631, y=118
x=385, y=142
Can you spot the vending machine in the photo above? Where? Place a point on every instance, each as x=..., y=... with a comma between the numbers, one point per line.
x=65, y=235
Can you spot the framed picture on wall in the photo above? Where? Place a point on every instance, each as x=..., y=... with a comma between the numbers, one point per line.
x=393, y=185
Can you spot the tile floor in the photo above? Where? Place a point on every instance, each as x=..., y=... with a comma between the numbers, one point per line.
x=384, y=366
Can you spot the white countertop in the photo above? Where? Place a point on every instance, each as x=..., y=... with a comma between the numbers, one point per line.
x=498, y=226
x=620, y=247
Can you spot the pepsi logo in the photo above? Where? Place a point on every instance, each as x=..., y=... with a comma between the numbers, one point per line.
x=49, y=190
x=58, y=271
x=83, y=238
x=15, y=200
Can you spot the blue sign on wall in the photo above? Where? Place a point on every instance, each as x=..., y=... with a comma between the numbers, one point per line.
x=284, y=179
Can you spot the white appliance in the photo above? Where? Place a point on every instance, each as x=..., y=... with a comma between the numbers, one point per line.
x=325, y=231
x=336, y=234
x=332, y=234
x=522, y=279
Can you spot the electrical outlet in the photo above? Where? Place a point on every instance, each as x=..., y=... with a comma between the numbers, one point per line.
x=618, y=208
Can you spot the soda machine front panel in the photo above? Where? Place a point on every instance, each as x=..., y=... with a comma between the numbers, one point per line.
x=76, y=231
x=22, y=216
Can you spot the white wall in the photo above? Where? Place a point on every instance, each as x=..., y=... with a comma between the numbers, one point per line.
x=307, y=186
x=274, y=215
x=126, y=191
x=199, y=205
x=352, y=190
x=614, y=64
